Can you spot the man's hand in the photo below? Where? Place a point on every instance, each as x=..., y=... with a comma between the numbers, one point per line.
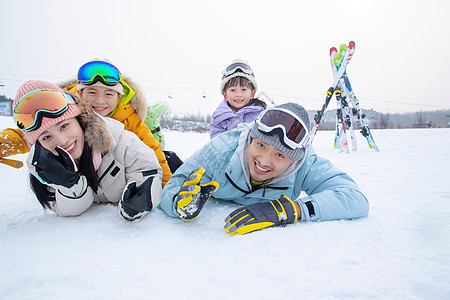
x=193, y=195
x=261, y=215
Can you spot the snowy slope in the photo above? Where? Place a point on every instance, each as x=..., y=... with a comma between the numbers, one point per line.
x=401, y=251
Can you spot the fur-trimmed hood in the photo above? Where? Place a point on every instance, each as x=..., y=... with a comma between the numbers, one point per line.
x=96, y=133
x=138, y=102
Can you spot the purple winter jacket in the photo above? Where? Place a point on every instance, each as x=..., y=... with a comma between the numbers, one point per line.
x=225, y=119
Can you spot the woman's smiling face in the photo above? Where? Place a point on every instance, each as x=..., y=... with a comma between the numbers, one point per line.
x=66, y=134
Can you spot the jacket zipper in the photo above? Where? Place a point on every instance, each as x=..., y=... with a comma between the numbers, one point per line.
x=106, y=171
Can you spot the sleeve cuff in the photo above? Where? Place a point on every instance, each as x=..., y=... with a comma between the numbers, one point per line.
x=309, y=209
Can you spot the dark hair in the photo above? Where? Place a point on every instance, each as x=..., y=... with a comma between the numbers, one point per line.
x=239, y=80
x=257, y=102
x=85, y=167
x=242, y=81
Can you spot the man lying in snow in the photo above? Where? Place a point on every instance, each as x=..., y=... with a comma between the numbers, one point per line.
x=265, y=165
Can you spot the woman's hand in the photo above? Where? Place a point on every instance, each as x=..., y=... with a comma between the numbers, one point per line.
x=58, y=171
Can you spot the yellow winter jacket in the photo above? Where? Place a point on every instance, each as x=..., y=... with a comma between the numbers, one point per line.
x=131, y=115
x=128, y=116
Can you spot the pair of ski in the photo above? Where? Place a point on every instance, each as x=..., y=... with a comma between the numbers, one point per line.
x=344, y=122
x=342, y=89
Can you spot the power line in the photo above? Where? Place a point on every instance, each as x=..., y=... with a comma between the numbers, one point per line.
x=303, y=95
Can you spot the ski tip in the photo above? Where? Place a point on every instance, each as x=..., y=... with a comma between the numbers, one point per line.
x=337, y=60
x=333, y=49
x=351, y=44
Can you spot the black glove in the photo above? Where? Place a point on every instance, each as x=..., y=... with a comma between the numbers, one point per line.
x=53, y=169
x=138, y=201
x=59, y=172
x=193, y=195
x=261, y=215
x=173, y=160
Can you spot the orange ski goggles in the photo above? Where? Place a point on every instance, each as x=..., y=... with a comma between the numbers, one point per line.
x=33, y=106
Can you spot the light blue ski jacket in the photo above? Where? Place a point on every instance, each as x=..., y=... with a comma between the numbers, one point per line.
x=330, y=194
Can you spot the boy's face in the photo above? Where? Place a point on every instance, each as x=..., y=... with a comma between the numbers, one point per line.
x=102, y=100
x=238, y=96
x=266, y=161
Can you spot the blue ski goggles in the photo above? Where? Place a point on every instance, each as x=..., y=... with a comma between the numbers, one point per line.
x=96, y=70
x=292, y=131
x=237, y=66
x=34, y=106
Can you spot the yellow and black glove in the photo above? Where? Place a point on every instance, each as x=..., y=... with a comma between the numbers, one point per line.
x=261, y=215
x=193, y=195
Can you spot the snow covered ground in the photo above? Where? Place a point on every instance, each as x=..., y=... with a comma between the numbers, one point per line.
x=401, y=251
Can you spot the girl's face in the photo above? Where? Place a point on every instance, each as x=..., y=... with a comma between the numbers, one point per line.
x=238, y=96
x=101, y=99
x=266, y=161
x=66, y=134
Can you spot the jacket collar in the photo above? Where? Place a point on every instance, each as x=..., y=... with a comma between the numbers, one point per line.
x=224, y=111
x=238, y=173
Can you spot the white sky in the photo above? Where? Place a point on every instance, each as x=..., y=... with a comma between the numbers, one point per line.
x=180, y=47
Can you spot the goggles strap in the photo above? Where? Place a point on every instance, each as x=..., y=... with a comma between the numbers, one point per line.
x=128, y=95
x=38, y=117
x=100, y=78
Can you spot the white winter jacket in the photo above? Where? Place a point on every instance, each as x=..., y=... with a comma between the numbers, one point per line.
x=129, y=160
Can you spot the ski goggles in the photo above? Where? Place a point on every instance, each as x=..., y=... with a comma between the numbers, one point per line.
x=91, y=72
x=292, y=131
x=234, y=67
x=35, y=105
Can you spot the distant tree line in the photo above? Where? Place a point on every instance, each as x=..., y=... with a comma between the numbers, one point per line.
x=196, y=122
x=419, y=119
x=377, y=120
x=3, y=98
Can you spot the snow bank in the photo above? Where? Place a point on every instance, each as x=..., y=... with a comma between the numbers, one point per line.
x=399, y=252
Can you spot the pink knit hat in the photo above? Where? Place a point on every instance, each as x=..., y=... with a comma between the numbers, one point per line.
x=33, y=85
